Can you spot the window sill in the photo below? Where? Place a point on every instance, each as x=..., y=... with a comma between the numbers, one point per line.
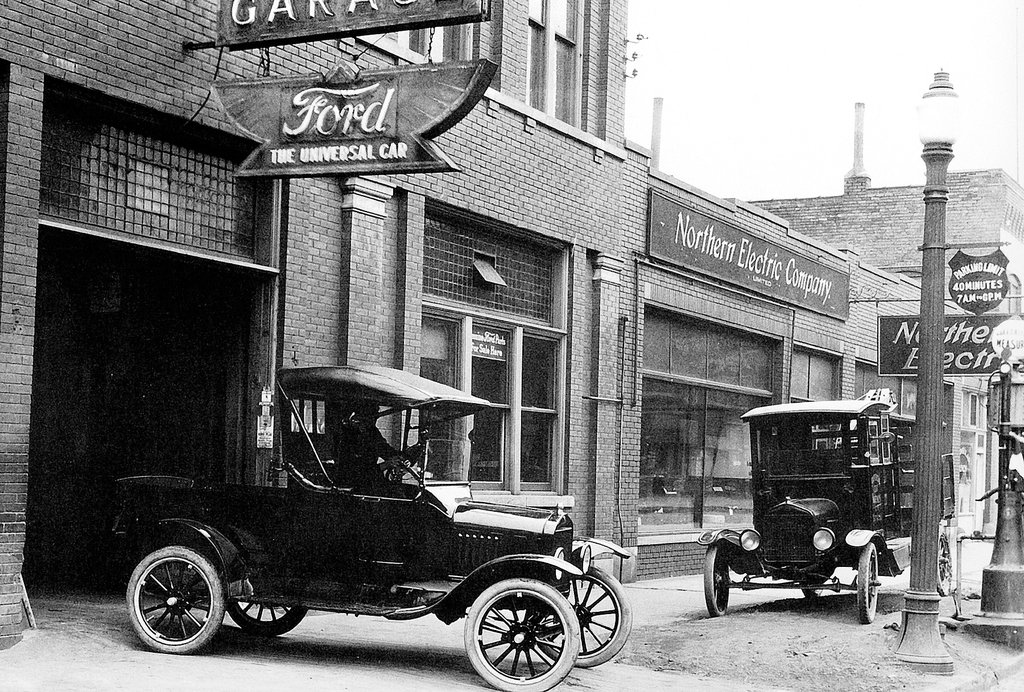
x=541, y=500
x=667, y=538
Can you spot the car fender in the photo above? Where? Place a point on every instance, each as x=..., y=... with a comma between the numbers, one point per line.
x=545, y=568
x=858, y=538
x=209, y=542
x=598, y=546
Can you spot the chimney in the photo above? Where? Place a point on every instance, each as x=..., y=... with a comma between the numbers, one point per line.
x=857, y=180
x=659, y=104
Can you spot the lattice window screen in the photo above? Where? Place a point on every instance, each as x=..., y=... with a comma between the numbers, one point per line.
x=528, y=269
x=103, y=175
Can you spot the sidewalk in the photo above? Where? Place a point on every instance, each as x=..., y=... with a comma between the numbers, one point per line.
x=782, y=640
x=770, y=640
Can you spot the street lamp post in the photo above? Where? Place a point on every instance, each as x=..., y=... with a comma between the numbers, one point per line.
x=920, y=642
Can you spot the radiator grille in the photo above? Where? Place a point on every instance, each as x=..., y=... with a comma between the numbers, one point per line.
x=787, y=537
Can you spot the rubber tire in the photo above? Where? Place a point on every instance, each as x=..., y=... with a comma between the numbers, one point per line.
x=716, y=581
x=623, y=622
x=551, y=597
x=944, y=580
x=811, y=594
x=212, y=582
x=867, y=578
x=265, y=628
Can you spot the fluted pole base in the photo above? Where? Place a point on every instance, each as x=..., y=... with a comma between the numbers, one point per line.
x=921, y=644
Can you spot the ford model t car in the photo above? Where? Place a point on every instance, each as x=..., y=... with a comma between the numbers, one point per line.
x=400, y=538
x=830, y=491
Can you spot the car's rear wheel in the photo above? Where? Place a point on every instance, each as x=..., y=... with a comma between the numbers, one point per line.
x=605, y=616
x=522, y=636
x=716, y=581
x=175, y=600
x=265, y=619
x=867, y=584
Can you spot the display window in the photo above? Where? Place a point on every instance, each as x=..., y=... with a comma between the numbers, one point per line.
x=699, y=379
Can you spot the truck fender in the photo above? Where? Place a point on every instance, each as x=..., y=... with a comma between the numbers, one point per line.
x=858, y=538
x=211, y=543
x=598, y=546
x=719, y=535
x=545, y=568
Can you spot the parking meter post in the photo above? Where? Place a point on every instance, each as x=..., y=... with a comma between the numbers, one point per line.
x=1001, y=617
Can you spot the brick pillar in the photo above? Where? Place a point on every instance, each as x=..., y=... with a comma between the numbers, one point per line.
x=366, y=305
x=21, y=111
x=409, y=274
x=605, y=393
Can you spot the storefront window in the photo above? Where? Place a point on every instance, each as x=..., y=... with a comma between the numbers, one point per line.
x=695, y=457
x=496, y=373
x=694, y=447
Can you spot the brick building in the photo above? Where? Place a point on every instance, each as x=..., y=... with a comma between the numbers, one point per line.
x=147, y=294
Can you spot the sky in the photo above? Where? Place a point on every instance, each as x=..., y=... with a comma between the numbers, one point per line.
x=759, y=97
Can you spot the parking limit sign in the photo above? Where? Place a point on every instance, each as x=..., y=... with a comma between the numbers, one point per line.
x=1008, y=340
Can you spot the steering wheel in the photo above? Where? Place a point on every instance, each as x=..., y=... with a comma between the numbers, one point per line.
x=396, y=468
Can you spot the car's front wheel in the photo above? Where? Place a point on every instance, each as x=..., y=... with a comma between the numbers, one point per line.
x=605, y=616
x=175, y=600
x=522, y=636
x=716, y=581
x=265, y=619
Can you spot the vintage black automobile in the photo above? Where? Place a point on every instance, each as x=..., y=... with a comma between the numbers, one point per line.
x=396, y=539
x=830, y=490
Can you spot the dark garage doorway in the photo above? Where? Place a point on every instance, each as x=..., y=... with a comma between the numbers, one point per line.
x=140, y=365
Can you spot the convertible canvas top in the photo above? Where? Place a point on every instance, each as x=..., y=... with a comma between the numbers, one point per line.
x=385, y=386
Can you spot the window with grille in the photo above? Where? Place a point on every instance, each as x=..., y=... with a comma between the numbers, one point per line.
x=117, y=177
x=450, y=250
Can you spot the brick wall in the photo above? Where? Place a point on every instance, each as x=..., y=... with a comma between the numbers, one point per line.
x=21, y=96
x=670, y=560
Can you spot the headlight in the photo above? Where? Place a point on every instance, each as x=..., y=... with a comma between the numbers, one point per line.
x=823, y=539
x=750, y=540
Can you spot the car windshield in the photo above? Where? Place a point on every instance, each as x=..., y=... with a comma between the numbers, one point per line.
x=801, y=446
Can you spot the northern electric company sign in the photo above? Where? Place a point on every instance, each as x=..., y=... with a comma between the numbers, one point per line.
x=681, y=235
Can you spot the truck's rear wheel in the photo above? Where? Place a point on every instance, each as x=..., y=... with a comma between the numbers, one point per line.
x=175, y=600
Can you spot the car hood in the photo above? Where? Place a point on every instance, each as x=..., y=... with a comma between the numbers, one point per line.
x=822, y=509
x=510, y=518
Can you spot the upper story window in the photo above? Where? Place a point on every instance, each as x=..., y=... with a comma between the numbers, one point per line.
x=814, y=377
x=553, y=58
x=437, y=44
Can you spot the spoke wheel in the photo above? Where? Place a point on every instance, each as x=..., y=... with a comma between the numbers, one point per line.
x=522, y=635
x=716, y=581
x=265, y=619
x=175, y=600
x=867, y=584
x=605, y=616
x=944, y=584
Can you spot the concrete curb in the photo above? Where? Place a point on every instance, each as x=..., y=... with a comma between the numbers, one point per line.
x=985, y=681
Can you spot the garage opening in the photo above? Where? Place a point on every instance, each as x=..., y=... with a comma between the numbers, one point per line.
x=140, y=367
